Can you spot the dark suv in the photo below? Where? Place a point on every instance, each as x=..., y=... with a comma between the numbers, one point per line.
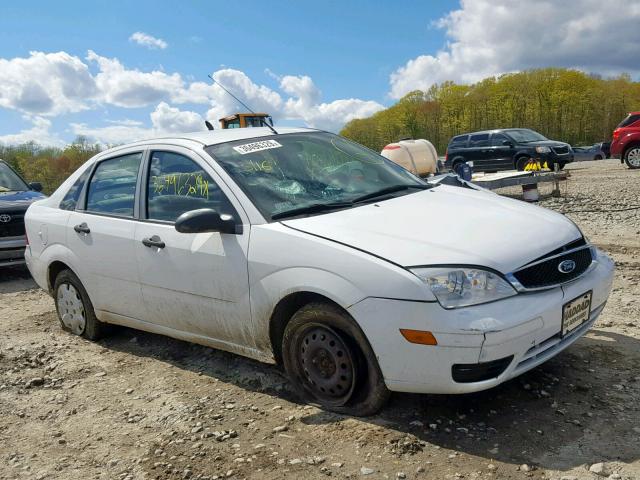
x=15, y=197
x=505, y=149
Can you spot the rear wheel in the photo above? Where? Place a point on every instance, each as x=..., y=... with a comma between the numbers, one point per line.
x=75, y=310
x=632, y=157
x=330, y=362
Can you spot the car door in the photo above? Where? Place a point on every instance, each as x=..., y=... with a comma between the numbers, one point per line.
x=478, y=150
x=502, y=151
x=195, y=283
x=100, y=235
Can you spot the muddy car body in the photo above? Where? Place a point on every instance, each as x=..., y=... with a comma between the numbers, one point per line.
x=306, y=249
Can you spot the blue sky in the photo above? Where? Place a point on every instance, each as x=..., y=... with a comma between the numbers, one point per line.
x=313, y=63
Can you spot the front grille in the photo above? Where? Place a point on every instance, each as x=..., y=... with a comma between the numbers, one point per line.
x=561, y=150
x=14, y=227
x=477, y=372
x=547, y=273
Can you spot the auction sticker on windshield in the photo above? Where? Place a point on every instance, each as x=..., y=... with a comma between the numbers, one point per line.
x=256, y=146
x=576, y=312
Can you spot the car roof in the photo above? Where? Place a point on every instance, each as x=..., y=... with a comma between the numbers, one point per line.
x=495, y=130
x=214, y=137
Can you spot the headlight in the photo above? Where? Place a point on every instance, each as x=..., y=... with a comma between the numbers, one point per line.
x=543, y=149
x=461, y=287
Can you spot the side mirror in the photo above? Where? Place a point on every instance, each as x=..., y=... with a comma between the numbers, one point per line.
x=507, y=143
x=35, y=186
x=207, y=220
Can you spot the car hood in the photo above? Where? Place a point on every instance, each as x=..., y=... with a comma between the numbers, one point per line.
x=547, y=143
x=446, y=225
x=18, y=200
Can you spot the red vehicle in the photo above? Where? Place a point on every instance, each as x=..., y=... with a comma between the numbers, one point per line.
x=625, y=144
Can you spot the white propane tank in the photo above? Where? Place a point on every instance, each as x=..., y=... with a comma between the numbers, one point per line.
x=418, y=156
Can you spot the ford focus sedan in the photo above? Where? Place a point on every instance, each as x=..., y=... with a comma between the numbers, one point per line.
x=304, y=249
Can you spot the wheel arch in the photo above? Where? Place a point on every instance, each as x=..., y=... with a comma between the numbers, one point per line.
x=518, y=156
x=285, y=309
x=629, y=146
x=457, y=161
x=54, y=270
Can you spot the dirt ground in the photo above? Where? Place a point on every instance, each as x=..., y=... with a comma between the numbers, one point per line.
x=141, y=406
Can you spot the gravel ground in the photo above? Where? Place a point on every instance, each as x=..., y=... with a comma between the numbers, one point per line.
x=141, y=406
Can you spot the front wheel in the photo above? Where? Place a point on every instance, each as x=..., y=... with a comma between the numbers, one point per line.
x=330, y=362
x=75, y=310
x=632, y=157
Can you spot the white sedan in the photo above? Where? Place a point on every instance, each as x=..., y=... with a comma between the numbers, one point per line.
x=308, y=250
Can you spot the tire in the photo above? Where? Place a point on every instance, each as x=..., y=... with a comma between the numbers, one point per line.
x=330, y=362
x=632, y=157
x=75, y=310
x=598, y=157
x=521, y=162
x=561, y=165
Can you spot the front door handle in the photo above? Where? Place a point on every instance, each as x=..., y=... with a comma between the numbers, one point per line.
x=154, y=241
x=82, y=228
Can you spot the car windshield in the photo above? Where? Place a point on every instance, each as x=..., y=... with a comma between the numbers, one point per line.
x=303, y=173
x=524, y=135
x=10, y=181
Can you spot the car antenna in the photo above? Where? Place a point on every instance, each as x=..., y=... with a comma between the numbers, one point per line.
x=263, y=121
x=208, y=124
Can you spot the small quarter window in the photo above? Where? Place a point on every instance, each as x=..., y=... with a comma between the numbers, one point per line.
x=113, y=186
x=70, y=200
x=459, y=142
x=177, y=184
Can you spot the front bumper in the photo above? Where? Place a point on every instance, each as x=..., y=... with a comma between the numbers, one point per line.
x=12, y=251
x=525, y=327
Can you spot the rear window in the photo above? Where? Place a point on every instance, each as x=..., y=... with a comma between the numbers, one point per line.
x=459, y=141
x=630, y=120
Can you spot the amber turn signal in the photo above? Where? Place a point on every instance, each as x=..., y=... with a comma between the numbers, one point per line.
x=419, y=336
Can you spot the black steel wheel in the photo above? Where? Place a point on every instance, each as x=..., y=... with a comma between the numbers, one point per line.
x=330, y=362
x=327, y=362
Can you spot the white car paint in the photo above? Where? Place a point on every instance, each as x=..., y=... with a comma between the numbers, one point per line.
x=221, y=289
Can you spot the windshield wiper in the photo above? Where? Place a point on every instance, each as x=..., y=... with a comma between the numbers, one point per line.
x=389, y=190
x=313, y=208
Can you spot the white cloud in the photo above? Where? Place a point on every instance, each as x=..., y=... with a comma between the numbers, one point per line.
x=52, y=84
x=303, y=103
x=489, y=37
x=132, y=88
x=38, y=133
x=45, y=84
x=148, y=41
x=165, y=120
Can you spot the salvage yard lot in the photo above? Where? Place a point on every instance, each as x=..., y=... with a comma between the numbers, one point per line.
x=142, y=406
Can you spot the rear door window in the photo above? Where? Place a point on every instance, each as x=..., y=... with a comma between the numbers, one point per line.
x=498, y=139
x=479, y=140
x=176, y=184
x=113, y=186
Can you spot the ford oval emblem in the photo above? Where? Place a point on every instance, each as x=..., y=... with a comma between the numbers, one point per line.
x=566, y=266
x=4, y=218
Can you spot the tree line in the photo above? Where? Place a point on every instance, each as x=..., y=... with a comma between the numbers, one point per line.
x=48, y=165
x=562, y=104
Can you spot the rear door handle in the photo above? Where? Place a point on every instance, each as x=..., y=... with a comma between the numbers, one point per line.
x=82, y=228
x=154, y=241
